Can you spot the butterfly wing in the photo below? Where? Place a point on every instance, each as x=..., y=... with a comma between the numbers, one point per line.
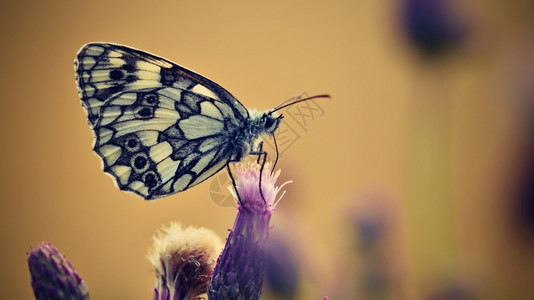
x=159, y=128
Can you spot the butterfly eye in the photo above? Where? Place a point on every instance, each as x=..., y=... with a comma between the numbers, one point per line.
x=270, y=123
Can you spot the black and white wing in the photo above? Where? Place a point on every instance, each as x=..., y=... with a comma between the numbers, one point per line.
x=159, y=128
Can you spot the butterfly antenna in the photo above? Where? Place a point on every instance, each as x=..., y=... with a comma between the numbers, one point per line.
x=292, y=99
x=282, y=105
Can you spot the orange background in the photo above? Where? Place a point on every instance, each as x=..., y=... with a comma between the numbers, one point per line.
x=432, y=147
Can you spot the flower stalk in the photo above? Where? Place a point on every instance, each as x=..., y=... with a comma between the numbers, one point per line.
x=240, y=268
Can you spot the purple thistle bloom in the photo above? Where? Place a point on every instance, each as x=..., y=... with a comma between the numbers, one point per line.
x=240, y=268
x=53, y=277
x=432, y=26
x=184, y=259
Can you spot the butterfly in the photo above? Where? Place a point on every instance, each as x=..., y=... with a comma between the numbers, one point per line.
x=160, y=128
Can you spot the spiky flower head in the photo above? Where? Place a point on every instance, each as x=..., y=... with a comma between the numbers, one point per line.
x=240, y=268
x=248, y=177
x=53, y=276
x=184, y=258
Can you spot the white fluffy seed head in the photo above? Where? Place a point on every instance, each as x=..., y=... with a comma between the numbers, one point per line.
x=184, y=258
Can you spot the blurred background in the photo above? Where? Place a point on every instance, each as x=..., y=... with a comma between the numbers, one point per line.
x=414, y=182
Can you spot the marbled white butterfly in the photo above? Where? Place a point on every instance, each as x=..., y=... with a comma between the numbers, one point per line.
x=160, y=128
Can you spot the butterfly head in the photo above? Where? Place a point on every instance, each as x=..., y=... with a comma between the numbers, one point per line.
x=270, y=122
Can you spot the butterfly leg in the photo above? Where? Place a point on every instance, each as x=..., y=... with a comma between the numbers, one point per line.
x=259, y=152
x=233, y=183
x=277, y=154
x=262, y=155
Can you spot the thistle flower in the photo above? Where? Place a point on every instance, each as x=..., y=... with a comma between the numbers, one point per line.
x=183, y=259
x=240, y=268
x=433, y=26
x=53, y=277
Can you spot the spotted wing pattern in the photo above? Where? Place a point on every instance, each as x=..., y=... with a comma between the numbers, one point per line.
x=159, y=128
